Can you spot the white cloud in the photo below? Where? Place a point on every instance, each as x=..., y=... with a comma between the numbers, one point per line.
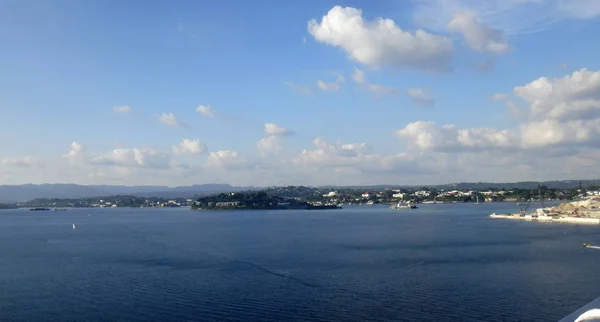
x=478, y=36
x=427, y=136
x=511, y=16
x=381, y=43
x=206, y=110
x=420, y=96
x=272, y=144
x=499, y=97
x=122, y=109
x=24, y=162
x=572, y=97
x=76, y=152
x=224, y=159
x=170, y=120
x=329, y=87
x=333, y=154
x=378, y=90
x=143, y=158
x=562, y=110
x=555, y=135
x=276, y=130
x=301, y=89
x=188, y=146
x=269, y=145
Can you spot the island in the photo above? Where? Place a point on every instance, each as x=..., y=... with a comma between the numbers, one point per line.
x=255, y=200
x=8, y=206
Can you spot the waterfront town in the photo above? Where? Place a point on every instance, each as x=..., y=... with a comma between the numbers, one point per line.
x=329, y=196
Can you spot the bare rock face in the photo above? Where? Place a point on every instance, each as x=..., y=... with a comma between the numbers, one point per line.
x=588, y=205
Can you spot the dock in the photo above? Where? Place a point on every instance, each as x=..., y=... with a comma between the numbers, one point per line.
x=553, y=219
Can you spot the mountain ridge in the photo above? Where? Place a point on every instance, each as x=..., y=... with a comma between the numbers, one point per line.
x=25, y=192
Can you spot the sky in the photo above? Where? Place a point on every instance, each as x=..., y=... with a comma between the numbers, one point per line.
x=312, y=92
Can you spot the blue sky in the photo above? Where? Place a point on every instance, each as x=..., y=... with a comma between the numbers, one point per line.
x=66, y=65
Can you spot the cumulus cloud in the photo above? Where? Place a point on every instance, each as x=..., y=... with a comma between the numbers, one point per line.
x=76, y=152
x=170, y=120
x=556, y=135
x=206, y=110
x=356, y=162
x=269, y=145
x=379, y=90
x=381, y=43
x=301, y=89
x=420, y=96
x=276, y=130
x=188, y=146
x=333, y=154
x=273, y=143
x=562, y=110
x=143, y=158
x=478, y=36
x=122, y=109
x=329, y=87
x=24, y=162
x=224, y=159
x=575, y=96
x=428, y=136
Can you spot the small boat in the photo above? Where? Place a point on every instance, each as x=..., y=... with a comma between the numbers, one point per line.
x=39, y=209
x=586, y=245
x=477, y=203
x=404, y=205
x=59, y=209
x=73, y=226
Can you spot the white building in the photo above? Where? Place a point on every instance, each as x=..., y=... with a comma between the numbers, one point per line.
x=422, y=193
x=331, y=194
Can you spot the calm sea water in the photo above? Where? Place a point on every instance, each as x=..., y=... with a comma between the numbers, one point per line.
x=436, y=263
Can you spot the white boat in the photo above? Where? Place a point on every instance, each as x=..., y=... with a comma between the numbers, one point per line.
x=404, y=205
x=73, y=226
x=477, y=203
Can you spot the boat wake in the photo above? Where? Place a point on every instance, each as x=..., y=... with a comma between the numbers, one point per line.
x=590, y=246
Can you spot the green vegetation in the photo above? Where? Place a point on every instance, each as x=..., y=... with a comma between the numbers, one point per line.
x=429, y=194
x=105, y=202
x=253, y=200
x=301, y=197
x=8, y=206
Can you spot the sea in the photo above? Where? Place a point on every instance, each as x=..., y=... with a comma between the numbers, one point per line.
x=441, y=262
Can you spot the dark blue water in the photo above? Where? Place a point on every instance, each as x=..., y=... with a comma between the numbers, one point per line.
x=439, y=262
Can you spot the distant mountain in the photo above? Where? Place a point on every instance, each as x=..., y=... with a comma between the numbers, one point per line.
x=19, y=193
x=25, y=192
